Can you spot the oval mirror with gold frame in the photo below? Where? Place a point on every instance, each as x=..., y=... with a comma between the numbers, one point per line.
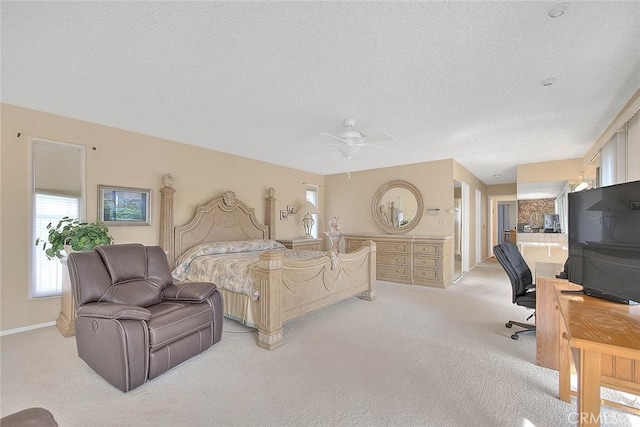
x=397, y=207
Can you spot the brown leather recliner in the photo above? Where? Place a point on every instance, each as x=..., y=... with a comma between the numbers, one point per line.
x=132, y=323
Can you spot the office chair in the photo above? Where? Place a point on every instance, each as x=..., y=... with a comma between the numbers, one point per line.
x=523, y=288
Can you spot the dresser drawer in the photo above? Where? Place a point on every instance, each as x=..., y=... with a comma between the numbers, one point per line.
x=352, y=245
x=425, y=262
x=413, y=260
x=392, y=270
x=393, y=247
x=425, y=273
x=390, y=259
x=426, y=249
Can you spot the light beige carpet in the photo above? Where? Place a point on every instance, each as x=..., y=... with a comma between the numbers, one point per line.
x=414, y=357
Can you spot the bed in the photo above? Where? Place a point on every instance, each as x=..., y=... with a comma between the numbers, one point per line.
x=287, y=283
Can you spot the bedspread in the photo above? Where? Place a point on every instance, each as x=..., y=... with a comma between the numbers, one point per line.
x=235, y=272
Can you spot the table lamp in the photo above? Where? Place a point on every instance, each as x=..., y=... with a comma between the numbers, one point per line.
x=307, y=221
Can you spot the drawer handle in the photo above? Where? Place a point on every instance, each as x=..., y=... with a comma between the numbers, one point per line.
x=399, y=260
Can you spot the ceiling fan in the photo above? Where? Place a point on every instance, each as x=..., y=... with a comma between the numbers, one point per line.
x=351, y=140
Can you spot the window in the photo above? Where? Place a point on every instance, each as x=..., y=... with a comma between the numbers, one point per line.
x=312, y=196
x=57, y=191
x=620, y=156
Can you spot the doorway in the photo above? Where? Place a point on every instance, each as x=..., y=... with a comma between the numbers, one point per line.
x=508, y=217
x=506, y=221
x=457, y=230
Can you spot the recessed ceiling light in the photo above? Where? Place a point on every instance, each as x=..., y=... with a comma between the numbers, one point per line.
x=547, y=82
x=496, y=176
x=558, y=10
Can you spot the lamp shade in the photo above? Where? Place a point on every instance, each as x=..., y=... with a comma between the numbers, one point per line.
x=308, y=208
x=349, y=150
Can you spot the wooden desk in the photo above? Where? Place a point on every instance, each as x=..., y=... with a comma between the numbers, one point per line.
x=604, y=338
x=547, y=314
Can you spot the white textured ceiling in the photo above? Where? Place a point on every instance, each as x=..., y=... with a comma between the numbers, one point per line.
x=264, y=79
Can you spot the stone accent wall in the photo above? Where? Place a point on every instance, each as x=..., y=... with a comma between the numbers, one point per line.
x=540, y=206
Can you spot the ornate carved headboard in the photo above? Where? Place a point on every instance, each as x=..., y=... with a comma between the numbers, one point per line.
x=222, y=219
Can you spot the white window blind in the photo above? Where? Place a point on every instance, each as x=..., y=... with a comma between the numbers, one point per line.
x=57, y=189
x=620, y=157
x=57, y=168
x=608, y=163
x=633, y=148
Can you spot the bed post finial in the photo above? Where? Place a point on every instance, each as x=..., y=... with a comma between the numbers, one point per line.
x=166, y=217
x=167, y=180
x=270, y=215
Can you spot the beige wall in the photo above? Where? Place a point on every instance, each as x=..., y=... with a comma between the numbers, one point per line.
x=509, y=190
x=351, y=198
x=559, y=170
x=126, y=159
x=123, y=158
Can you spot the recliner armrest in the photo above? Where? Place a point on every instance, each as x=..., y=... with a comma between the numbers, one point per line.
x=109, y=310
x=188, y=291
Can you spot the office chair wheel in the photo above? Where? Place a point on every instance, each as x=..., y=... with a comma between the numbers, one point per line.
x=515, y=337
x=508, y=324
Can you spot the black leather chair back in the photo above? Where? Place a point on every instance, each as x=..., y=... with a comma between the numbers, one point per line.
x=516, y=268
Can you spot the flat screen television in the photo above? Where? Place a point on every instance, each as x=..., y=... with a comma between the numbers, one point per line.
x=604, y=241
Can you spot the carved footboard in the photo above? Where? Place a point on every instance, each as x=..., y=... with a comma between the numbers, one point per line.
x=289, y=289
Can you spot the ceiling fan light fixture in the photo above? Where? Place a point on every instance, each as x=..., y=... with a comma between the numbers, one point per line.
x=349, y=150
x=351, y=134
x=351, y=140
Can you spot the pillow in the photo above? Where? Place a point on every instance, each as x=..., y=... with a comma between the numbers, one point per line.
x=222, y=248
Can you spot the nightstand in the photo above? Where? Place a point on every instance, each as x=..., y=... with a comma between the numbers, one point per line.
x=302, y=243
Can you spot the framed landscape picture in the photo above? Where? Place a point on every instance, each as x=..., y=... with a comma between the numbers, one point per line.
x=124, y=205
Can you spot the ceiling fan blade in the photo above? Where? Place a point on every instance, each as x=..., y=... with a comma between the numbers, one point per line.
x=333, y=136
x=322, y=146
x=374, y=144
x=380, y=138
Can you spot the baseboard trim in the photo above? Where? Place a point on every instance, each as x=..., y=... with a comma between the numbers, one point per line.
x=27, y=328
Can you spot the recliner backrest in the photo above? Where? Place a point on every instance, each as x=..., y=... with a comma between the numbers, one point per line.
x=126, y=274
x=516, y=268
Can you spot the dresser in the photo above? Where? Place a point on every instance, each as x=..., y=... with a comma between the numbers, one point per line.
x=414, y=260
x=302, y=243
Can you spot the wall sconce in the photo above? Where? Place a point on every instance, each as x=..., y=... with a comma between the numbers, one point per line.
x=584, y=184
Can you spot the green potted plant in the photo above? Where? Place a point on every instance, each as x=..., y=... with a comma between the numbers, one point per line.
x=72, y=234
